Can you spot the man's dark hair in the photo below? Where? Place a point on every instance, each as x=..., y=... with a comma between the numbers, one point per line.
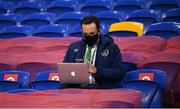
x=91, y=19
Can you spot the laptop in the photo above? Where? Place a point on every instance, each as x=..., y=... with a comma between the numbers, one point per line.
x=73, y=73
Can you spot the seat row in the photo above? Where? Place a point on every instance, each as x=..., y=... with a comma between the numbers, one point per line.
x=43, y=53
x=91, y=6
x=120, y=29
x=50, y=80
x=153, y=83
x=145, y=16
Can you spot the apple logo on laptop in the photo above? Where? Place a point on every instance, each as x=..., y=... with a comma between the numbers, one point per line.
x=73, y=73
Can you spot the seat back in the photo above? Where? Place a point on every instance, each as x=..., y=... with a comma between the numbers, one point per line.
x=129, y=66
x=173, y=44
x=9, y=19
x=166, y=57
x=104, y=28
x=28, y=7
x=8, y=85
x=109, y=17
x=47, y=75
x=76, y=31
x=163, y=29
x=172, y=70
x=5, y=7
x=62, y=6
x=20, y=76
x=127, y=6
x=38, y=19
x=172, y=15
x=15, y=2
x=94, y=6
x=52, y=30
x=163, y=5
x=147, y=74
x=47, y=80
x=16, y=31
x=113, y=104
x=71, y=18
x=145, y=16
x=128, y=28
x=4, y=67
x=33, y=68
x=151, y=92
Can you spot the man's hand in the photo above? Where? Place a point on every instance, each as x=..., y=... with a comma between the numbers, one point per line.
x=91, y=68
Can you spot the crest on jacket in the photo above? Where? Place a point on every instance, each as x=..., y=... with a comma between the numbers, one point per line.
x=105, y=53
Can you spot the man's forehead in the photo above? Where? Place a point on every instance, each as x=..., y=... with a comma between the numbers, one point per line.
x=88, y=28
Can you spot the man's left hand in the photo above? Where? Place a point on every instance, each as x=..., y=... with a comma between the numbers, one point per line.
x=91, y=68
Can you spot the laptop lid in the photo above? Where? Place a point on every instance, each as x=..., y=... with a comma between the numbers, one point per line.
x=73, y=73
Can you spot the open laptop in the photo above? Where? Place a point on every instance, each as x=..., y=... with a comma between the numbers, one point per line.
x=73, y=73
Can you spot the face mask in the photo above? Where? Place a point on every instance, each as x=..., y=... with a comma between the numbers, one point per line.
x=91, y=40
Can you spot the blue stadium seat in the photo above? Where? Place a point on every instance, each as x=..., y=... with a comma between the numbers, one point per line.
x=152, y=94
x=52, y=30
x=16, y=31
x=145, y=16
x=147, y=74
x=172, y=15
x=163, y=29
x=48, y=1
x=163, y=5
x=126, y=6
x=152, y=90
x=47, y=80
x=104, y=28
x=6, y=7
x=10, y=80
x=38, y=19
x=62, y=6
x=15, y=2
x=71, y=18
x=9, y=19
x=28, y=7
x=94, y=6
x=26, y=90
x=75, y=31
x=129, y=66
x=109, y=17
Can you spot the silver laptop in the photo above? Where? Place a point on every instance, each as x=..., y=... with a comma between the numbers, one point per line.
x=73, y=73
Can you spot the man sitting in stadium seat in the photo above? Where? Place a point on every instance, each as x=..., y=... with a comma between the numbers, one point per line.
x=101, y=54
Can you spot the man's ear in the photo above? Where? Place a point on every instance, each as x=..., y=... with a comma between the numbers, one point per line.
x=99, y=32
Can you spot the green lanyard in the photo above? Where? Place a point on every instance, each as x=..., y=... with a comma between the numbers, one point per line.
x=88, y=54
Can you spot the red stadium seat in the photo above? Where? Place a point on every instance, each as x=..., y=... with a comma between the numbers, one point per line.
x=21, y=49
x=164, y=57
x=149, y=44
x=113, y=104
x=33, y=68
x=133, y=57
x=173, y=44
